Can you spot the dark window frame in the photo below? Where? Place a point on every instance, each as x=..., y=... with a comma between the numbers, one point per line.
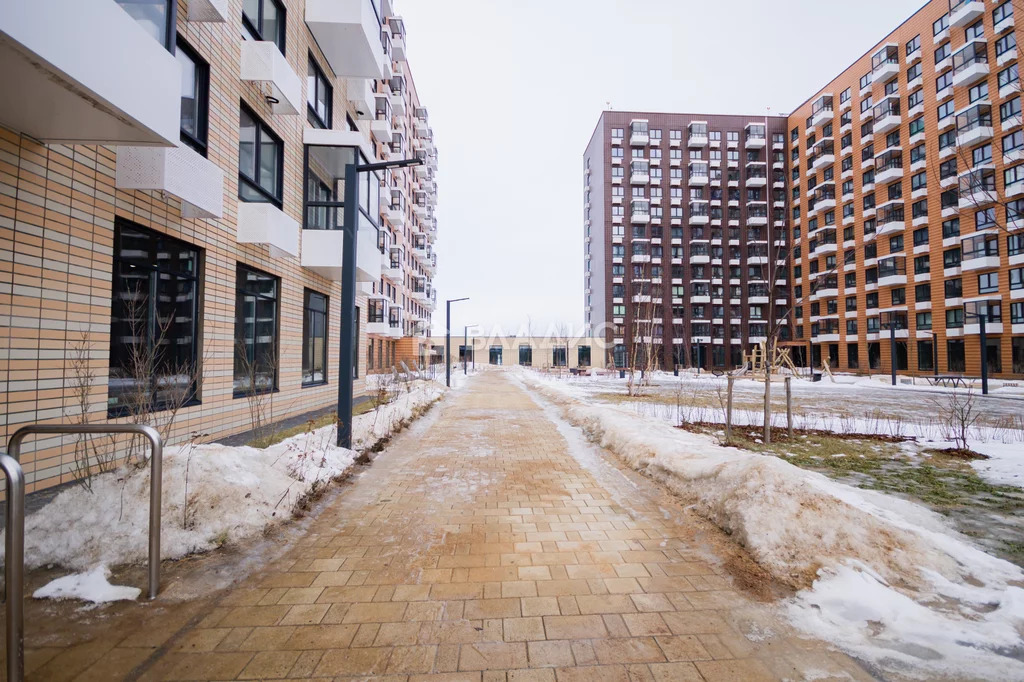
x=257, y=32
x=198, y=142
x=320, y=80
x=240, y=292
x=276, y=199
x=171, y=29
x=309, y=312
x=154, y=269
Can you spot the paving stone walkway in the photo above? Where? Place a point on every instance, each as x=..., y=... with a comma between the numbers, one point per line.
x=486, y=548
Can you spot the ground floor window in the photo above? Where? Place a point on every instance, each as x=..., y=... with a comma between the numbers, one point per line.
x=901, y=356
x=833, y=355
x=718, y=356
x=495, y=355
x=314, y=338
x=816, y=355
x=583, y=356
x=735, y=355
x=256, y=322
x=619, y=355
x=955, y=358
x=154, y=316
x=558, y=358
x=852, y=357
x=1017, y=345
x=874, y=356
x=925, y=355
x=993, y=355
x=525, y=355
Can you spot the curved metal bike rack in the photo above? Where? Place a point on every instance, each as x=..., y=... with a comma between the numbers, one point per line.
x=14, y=541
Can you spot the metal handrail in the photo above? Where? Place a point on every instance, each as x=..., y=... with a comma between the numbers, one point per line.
x=14, y=544
x=14, y=567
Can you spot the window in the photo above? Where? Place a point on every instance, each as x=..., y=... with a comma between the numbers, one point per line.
x=1013, y=141
x=156, y=17
x=916, y=127
x=940, y=24
x=988, y=282
x=256, y=314
x=946, y=109
x=979, y=91
x=319, y=96
x=1004, y=11
x=153, y=321
x=1008, y=76
x=264, y=20
x=260, y=161
x=944, y=81
x=1009, y=109
x=953, y=288
x=915, y=98
x=314, y=339
x=583, y=356
x=195, y=90
x=913, y=45
x=922, y=293
x=975, y=31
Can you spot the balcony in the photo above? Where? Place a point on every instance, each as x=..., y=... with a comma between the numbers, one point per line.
x=65, y=77
x=970, y=64
x=397, y=27
x=886, y=115
x=977, y=187
x=639, y=173
x=377, y=316
x=963, y=12
x=262, y=62
x=639, y=133
x=395, y=322
x=349, y=33
x=697, y=134
x=210, y=11
x=821, y=111
x=261, y=223
x=178, y=171
x=891, y=219
x=892, y=271
x=322, y=253
x=974, y=125
x=362, y=97
x=756, y=136
x=394, y=270
x=888, y=167
x=980, y=252
x=698, y=174
x=885, y=64
x=823, y=154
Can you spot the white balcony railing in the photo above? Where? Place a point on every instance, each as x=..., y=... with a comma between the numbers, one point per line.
x=179, y=171
x=349, y=33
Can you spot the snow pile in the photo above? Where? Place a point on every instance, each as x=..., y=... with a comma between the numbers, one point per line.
x=877, y=575
x=212, y=494
x=92, y=586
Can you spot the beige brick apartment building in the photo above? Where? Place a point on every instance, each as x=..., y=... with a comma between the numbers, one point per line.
x=171, y=178
x=897, y=196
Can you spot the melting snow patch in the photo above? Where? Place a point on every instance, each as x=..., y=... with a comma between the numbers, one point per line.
x=882, y=578
x=92, y=586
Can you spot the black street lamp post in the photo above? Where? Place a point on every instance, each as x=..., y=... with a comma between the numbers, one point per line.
x=350, y=231
x=979, y=310
x=448, y=339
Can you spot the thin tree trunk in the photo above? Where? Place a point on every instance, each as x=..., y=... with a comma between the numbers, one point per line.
x=728, y=410
x=767, y=404
x=789, y=406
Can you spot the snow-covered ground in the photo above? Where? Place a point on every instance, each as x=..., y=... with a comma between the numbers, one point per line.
x=883, y=578
x=212, y=494
x=850, y=405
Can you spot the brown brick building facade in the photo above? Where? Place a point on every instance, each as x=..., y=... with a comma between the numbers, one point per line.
x=685, y=238
x=98, y=205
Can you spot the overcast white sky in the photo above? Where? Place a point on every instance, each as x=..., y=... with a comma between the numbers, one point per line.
x=515, y=88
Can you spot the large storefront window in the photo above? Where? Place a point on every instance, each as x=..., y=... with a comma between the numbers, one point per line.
x=256, y=314
x=153, y=321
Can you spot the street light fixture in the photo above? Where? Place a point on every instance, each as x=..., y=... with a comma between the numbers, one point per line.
x=979, y=310
x=448, y=339
x=890, y=320
x=465, y=348
x=350, y=230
